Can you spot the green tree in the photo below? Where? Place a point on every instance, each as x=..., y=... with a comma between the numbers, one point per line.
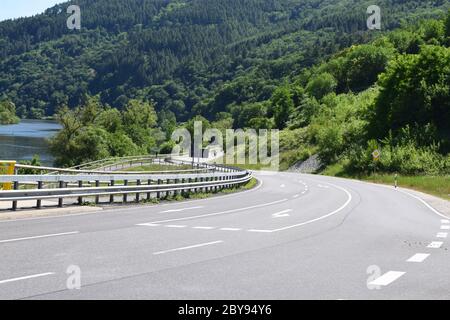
x=283, y=106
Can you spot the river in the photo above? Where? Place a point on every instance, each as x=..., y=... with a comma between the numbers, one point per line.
x=29, y=137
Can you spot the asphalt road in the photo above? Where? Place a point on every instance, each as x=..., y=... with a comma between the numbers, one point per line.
x=294, y=237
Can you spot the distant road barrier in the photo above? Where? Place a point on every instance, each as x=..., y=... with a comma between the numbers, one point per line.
x=87, y=183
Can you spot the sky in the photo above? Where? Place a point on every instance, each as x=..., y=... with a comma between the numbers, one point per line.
x=24, y=8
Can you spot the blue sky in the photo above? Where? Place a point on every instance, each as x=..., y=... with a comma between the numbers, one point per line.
x=24, y=8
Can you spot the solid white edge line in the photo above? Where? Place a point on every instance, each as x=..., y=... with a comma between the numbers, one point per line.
x=26, y=277
x=387, y=278
x=39, y=237
x=418, y=257
x=189, y=247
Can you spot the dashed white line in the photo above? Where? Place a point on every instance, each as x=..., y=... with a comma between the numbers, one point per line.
x=222, y=212
x=175, y=226
x=148, y=225
x=189, y=247
x=445, y=221
x=27, y=277
x=387, y=278
x=435, y=244
x=295, y=196
x=282, y=186
x=445, y=227
x=230, y=229
x=180, y=210
x=260, y=231
x=441, y=235
x=204, y=228
x=39, y=237
x=418, y=257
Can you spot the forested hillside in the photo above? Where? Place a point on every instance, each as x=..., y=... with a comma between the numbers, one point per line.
x=189, y=56
x=140, y=68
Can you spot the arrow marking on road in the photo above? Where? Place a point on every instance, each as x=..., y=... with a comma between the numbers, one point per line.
x=282, y=214
x=180, y=210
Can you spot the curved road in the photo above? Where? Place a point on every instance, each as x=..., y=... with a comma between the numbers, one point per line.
x=293, y=237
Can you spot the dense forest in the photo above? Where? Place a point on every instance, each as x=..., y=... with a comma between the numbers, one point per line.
x=139, y=68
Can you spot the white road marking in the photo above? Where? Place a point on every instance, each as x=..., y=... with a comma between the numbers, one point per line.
x=282, y=214
x=204, y=228
x=180, y=210
x=222, y=212
x=349, y=199
x=295, y=196
x=418, y=257
x=387, y=278
x=445, y=221
x=230, y=229
x=175, y=226
x=435, y=244
x=27, y=277
x=445, y=227
x=40, y=237
x=189, y=247
x=322, y=186
x=282, y=186
x=442, y=235
x=260, y=231
x=148, y=225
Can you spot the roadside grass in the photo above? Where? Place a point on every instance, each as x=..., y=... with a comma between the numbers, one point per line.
x=435, y=185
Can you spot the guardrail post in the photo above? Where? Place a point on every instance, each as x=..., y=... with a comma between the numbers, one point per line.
x=158, y=193
x=149, y=195
x=125, y=195
x=39, y=202
x=60, y=200
x=80, y=199
x=97, y=198
x=111, y=197
x=138, y=195
x=16, y=187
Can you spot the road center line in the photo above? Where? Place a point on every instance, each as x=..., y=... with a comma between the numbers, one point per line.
x=222, y=212
x=445, y=221
x=180, y=210
x=387, y=278
x=230, y=229
x=445, y=227
x=418, y=257
x=442, y=235
x=39, y=237
x=27, y=277
x=204, y=228
x=189, y=247
x=349, y=199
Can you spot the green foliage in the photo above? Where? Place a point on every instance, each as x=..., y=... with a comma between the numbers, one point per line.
x=94, y=131
x=283, y=106
x=8, y=112
x=321, y=85
x=415, y=90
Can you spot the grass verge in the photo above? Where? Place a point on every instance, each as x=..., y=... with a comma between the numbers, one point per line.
x=435, y=185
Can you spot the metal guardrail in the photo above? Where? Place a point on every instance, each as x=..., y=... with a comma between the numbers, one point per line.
x=85, y=183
